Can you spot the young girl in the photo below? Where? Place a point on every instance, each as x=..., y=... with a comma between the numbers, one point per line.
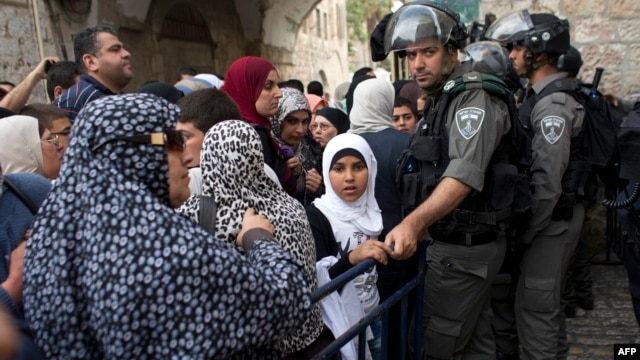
x=347, y=216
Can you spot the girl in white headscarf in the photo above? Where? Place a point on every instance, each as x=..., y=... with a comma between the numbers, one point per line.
x=346, y=220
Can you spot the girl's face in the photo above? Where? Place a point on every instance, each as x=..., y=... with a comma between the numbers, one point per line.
x=52, y=152
x=294, y=126
x=267, y=102
x=349, y=177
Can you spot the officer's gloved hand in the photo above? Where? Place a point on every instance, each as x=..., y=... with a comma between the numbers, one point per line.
x=376, y=41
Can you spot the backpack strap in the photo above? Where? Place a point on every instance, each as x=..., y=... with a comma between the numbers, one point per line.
x=20, y=195
x=207, y=216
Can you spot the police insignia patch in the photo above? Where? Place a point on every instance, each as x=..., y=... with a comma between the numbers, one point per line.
x=449, y=85
x=469, y=121
x=552, y=128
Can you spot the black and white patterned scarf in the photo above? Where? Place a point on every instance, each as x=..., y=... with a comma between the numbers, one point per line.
x=233, y=173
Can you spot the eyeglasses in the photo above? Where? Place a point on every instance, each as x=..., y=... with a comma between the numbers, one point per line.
x=173, y=140
x=55, y=140
x=322, y=126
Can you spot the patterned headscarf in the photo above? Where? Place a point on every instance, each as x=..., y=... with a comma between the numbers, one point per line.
x=291, y=100
x=232, y=172
x=244, y=81
x=111, y=271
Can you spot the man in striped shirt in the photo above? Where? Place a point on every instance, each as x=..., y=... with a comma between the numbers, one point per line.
x=105, y=66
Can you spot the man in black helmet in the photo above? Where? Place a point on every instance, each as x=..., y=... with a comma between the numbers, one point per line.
x=558, y=167
x=460, y=138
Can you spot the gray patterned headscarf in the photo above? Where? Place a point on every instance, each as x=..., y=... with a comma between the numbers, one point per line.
x=291, y=100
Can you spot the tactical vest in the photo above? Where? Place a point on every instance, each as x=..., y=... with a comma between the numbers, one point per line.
x=506, y=191
x=578, y=182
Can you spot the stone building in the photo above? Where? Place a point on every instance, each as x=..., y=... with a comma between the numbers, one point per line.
x=605, y=31
x=305, y=39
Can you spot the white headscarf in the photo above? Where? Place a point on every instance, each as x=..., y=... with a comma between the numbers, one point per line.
x=21, y=150
x=212, y=79
x=372, y=106
x=363, y=213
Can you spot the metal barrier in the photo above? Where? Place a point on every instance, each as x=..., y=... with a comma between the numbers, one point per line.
x=382, y=309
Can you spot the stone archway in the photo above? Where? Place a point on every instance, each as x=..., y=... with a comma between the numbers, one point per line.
x=184, y=40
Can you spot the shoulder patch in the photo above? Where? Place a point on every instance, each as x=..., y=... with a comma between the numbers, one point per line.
x=449, y=85
x=469, y=120
x=552, y=128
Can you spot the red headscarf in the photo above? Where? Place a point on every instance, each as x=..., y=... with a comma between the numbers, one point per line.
x=244, y=82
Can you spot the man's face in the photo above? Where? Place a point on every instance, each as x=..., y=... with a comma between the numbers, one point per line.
x=403, y=119
x=195, y=138
x=112, y=64
x=518, y=56
x=426, y=59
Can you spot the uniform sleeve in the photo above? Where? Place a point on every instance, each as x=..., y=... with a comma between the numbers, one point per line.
x=476, y=123
x=555, y=119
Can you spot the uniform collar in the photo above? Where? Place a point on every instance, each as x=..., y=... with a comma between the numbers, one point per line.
x=540, y=85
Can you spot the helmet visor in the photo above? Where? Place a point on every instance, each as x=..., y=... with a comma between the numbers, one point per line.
x=412, y=24
x=511, y=28
x=488, y=57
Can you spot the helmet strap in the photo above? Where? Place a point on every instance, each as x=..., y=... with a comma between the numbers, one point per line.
x=448, y=50
x=530, y=65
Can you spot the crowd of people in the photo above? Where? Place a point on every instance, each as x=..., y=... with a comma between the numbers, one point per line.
x=194, y=219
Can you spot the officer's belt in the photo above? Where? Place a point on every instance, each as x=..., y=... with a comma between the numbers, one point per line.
x=474, y=217
x=458, y=238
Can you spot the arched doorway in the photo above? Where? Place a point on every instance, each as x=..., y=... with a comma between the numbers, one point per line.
x=185, y=40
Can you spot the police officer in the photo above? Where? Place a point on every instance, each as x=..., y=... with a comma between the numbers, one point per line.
x=464, y=255
x=535, y=42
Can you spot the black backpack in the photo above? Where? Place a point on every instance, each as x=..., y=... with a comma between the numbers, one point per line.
x=600, y=129
x=513, y=201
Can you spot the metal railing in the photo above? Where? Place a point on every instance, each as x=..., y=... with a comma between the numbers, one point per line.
x=382, y=310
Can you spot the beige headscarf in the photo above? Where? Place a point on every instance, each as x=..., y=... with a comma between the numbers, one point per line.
x=20, y=150
x=372, y=106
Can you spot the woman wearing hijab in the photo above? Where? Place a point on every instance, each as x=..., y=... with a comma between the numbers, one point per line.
x=328, y=123
x=111, y=271
x=28, y=146
x=234, y=176
x=289, y=127
x=252, y=82
x=346, y=220
x=370, y=118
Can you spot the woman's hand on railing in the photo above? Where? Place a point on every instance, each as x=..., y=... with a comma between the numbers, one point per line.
x=373, y=249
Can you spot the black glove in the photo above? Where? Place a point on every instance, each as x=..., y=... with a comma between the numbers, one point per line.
x=376, y=41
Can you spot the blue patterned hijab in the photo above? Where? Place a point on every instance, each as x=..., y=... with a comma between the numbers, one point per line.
x=111, y=271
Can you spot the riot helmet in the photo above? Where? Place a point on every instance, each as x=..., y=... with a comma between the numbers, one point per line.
x=571, y=62
x=537, y=32
x=490, y=57
x=419, y=20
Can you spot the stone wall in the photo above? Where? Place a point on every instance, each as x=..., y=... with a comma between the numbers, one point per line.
x=299, y=52
x=605, y=31
x=19, y=44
